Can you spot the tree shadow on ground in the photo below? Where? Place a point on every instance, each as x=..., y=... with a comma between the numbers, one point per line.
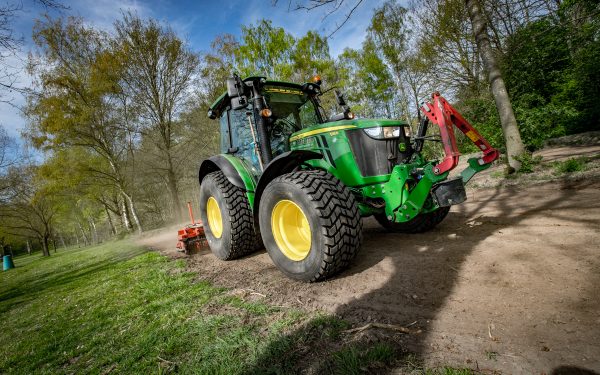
x=425, y=270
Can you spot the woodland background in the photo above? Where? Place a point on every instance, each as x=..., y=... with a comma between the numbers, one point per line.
x=120, y=116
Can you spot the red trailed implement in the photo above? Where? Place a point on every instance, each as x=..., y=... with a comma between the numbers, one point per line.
x=191, y=238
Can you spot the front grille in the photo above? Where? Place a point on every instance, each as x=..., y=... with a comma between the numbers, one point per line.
x=374, y=156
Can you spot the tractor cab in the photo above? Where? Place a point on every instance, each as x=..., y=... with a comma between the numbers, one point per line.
x=291, y=110
x=283, y=108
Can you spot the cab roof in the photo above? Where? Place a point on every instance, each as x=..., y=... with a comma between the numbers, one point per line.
x=222, y=101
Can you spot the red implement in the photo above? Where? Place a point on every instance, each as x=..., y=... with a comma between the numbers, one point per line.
x=441, y=113
x=191, y=238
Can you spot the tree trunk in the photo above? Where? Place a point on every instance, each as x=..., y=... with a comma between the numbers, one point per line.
x=113, y=230
x=510, y=129
x=45, y=246
x=125, y=216
x=93, y=230
x=173, y=191
x=134, y=213
x=28, y=247
x=85, y=240
x=62, y=241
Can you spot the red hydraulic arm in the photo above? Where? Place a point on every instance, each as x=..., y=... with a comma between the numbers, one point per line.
x=440, y=112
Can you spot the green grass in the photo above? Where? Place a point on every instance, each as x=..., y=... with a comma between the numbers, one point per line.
x=528, y=162
x=117, y=308
x=570, y=165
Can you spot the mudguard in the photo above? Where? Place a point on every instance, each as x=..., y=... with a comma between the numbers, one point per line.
x=233, y=168
x=282, y=164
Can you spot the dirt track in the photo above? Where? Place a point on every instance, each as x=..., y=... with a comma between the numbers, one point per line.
x=509, y=281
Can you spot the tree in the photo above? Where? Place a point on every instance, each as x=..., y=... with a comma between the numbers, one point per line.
x=512, y=136
x=265, y=50
x=10, y=44
x=157, y=73
x=217, y=66
x=78, y=102
x=30, y=209
x=8, y=158
x=369, y=84
x=87, y=199
x=310, y=56
x=393, y=38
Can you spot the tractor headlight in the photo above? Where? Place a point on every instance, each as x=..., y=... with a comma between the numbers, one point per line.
x=383, y=132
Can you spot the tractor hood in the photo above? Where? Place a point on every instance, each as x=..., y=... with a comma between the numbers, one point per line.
x=357, y=151
x=350, y=124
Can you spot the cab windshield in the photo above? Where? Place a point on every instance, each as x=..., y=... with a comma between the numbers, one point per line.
x=291, y=106
x=292, y=111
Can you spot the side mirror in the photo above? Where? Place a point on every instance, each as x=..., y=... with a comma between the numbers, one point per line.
x=236, y=92
x=347, y=114
x=339, y=97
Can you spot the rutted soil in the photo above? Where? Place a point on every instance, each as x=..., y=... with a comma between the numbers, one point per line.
x=509, y=281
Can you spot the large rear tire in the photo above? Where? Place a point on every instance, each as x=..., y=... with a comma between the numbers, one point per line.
x=421, y=223
x=227, y=218
x=310, y=224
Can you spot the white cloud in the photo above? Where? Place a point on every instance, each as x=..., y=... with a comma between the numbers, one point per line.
x=103, y=13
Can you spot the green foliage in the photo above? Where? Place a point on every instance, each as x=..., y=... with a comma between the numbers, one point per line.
x=268, y=50
x=265, y=50
x=389, y=32
x=528, y=162
x=481, y=112
x=369, y=84
x=541, y=123
x=570, y=165
x=538, y=121
x=552, y=74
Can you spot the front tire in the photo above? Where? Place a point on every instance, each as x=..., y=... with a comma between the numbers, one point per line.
x=420, y=223
x=310, y=225
x=227, y=218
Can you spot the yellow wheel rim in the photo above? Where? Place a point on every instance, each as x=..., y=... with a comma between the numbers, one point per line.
x=215, y=221
x=291, y=230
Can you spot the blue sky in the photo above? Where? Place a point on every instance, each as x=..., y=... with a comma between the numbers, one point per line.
x=197, y=22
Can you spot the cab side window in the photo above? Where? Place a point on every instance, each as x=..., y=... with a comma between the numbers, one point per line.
x=225, y=137
x=235, y=129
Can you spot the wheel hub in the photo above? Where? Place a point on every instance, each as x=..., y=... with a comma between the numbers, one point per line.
x=291, y=230
x=215, y=220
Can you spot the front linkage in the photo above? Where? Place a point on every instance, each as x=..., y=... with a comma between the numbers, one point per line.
x=429, y=179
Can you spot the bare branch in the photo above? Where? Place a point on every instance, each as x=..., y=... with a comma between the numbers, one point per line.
x=335, y=7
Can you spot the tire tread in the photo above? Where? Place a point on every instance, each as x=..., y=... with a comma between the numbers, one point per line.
x=338, y=210
x=421, y=223
x=244, y=240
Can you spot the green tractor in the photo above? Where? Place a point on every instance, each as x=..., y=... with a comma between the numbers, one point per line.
x=299, y=182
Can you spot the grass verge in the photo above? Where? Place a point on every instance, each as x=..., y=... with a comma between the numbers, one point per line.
x=117, y=308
